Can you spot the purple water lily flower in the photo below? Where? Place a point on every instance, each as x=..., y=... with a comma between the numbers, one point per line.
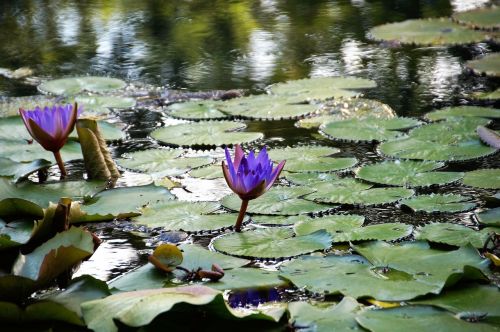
x=249, y=176
x=51, y=127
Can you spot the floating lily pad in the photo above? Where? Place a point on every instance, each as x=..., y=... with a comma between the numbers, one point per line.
x=311, y=159
x=445, y=113
x=197, y=110
x=209, y=172
x=74, y=85
x=443, y=203
x=277, y=220
x=271, y=243
x=307, y=179
x=205, y=133
x=26, y=151
x=487, y=95
x=368, y=129
x=436, y=31
x=314, y=318
x=347, y=108
x=10, y=106
x=446, y=140
x=482, y=18
x=332, y=224
x=354, y=192
x=321, y=87
x=122, y=202
x=483, y=178
x=267, y=107
x=489, y=217
x=452, y=234
x=18, y=170
x=186, y=216
x=488, y=65
x=418, y=318
x=15, y=233
x=162, y=162
x=101, y=105
x=386, y=272
x=407, y=173
x=248, y=278
x=285, y=201
x=383, y=232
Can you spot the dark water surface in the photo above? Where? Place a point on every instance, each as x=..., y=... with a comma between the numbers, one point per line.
x=215, y=44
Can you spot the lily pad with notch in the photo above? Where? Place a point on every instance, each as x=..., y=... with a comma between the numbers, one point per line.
x=407, y=173
x=271, y=243
x=368, y=129
x=207, y=133
x=439, y=203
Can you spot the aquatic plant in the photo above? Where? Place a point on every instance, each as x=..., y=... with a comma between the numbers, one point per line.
x=249, y=176
x=51, y=127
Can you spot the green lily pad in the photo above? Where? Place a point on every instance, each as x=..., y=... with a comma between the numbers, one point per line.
x=368, y=129
x=186, y=216
x=482, y=18
x=488, y=65
x=386, y=232
x=469, y=298
x=487, y=95
x=314, y=318
x=455, y=139
x=489, y=217
x=25, y=151
x=452, y=234
x=266, y=107
x=197, y=110
x=101, y=105
x=311, y=159
x=321, y=87
x=442, y=203
x=386, y=272
x=74, y=85
x=333, y=224
x=436, y=31
x=122, y=202
x=248, y=278
x=208, y=173
x=285, y=201
x=55, y=256
x=483, y=178
x=418, y=318
x=277, y=220
x=15, y=233
x=407, y=173
x=162, y=162
x=271, y=243
x=10, y=106
x=354, y=192
x=18, y=170
x=347, y=108
x=205, y=133
x=445, y=113
x=309, y=179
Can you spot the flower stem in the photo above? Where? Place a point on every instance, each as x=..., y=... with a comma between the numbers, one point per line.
x=60, y=163
x=241, y=215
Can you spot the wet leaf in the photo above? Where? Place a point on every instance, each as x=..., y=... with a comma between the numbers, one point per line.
x=197, y=110
x=452, y=234
x=443, y=203
x=488, y=65
x=386, y=232
x=15, y=233
x=74, y=85
x=333, y=224
x=309, y=179
x=489, y=217
x=482, y=18
x=166, y=257
x=483, y=178
x=461, y=111
x=100, y=105
x=18, y=170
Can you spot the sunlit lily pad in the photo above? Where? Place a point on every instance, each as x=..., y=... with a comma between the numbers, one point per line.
x=368, y=129
x=487, y=95
x=452, y=234
x=407, y=173
x=74, y=85
x=443, y=203
x=354, y=192
x=321, y=87
x=436, y=31
x=307, y=179
x=419, y=318
x=482, y=18
x=101, y=105
x=25, y=151
x=332, y=224
x=488, y=65
x=277, y=220
x=15, y=233
x=279, y=200
x=311, y=159
x=483, y=178
x=197, y=110
x=162, y=162
x=386, y=232
x=17, y=170
x=386, y=272
x=248, y=278
x=321, y=318
x=271, y=243
x=10, y=106
x=489, y=217
x=205, y=133
x=186, y=216
x=267, y=107
x=209, y=172
x=445, y=113
x=347, y=108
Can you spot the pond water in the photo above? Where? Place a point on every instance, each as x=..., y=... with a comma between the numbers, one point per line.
x=212, y=45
